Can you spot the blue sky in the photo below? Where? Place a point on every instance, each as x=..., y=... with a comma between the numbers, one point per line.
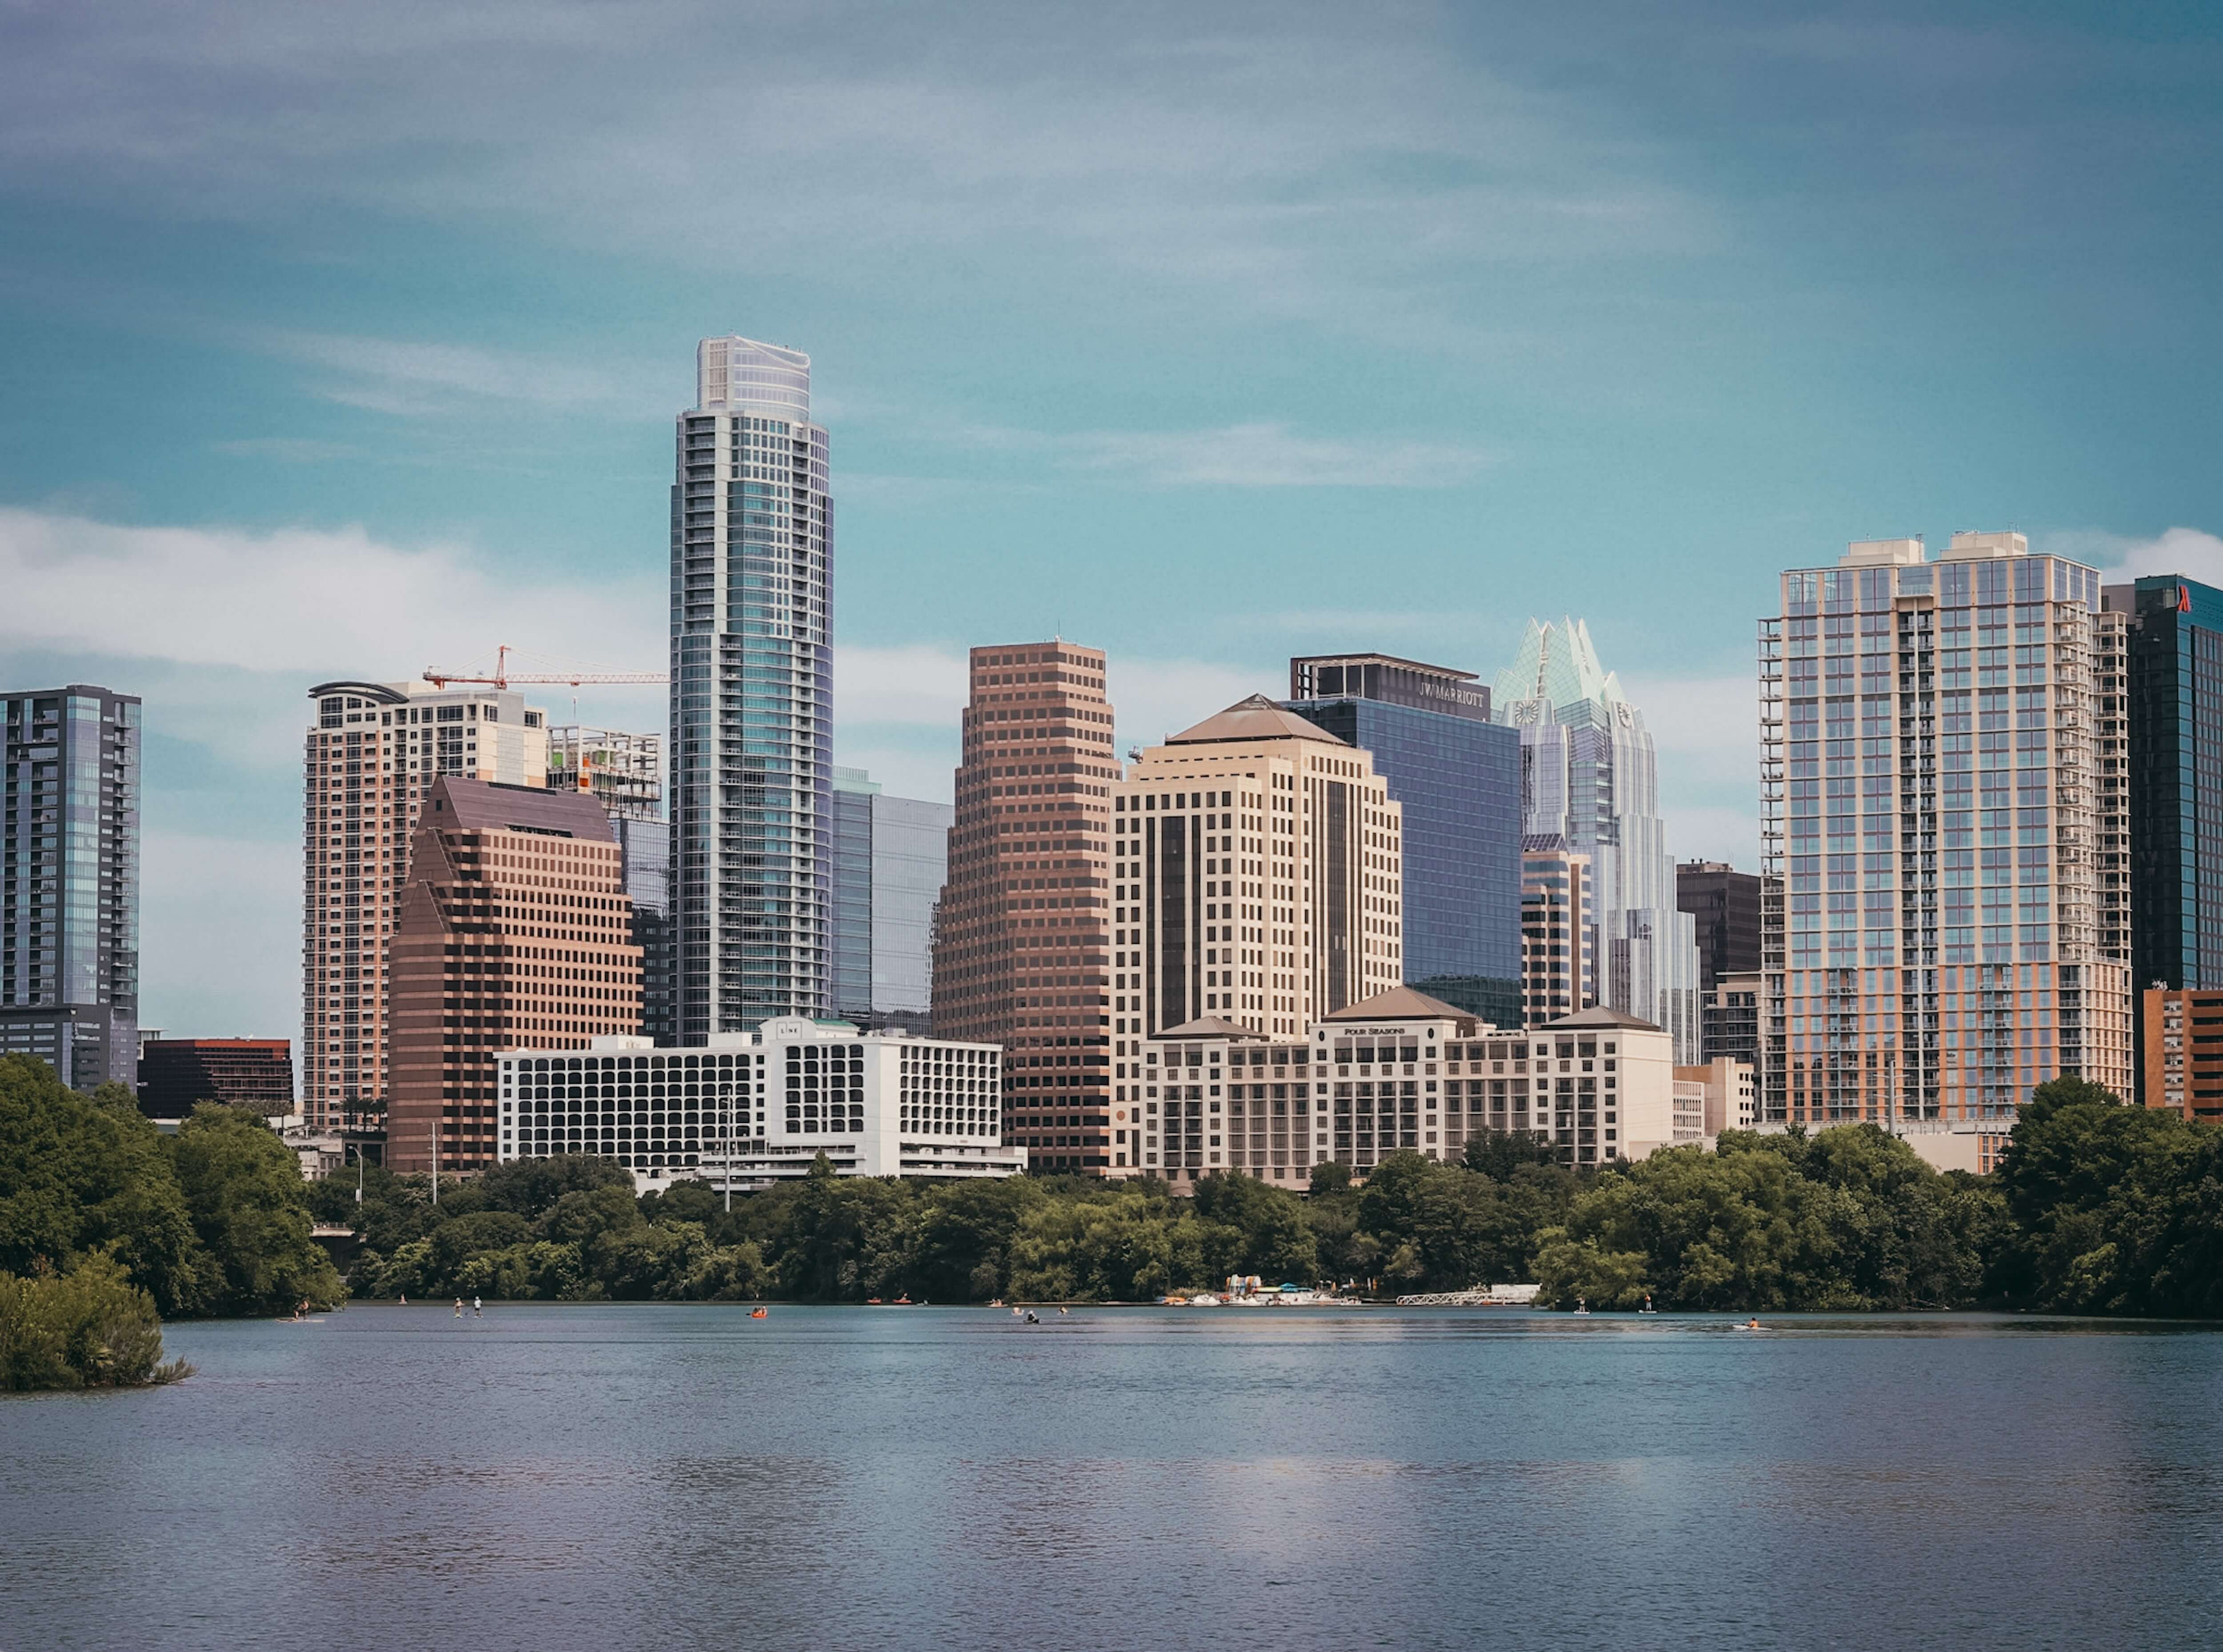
x=343, y=341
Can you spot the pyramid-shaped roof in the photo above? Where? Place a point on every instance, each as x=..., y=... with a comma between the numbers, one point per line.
x=1400, y=1004
x=1600, y=1015
x=1255, y=718
x=1210, y=1026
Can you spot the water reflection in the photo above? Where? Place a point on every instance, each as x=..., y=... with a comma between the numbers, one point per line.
x=673, y=1477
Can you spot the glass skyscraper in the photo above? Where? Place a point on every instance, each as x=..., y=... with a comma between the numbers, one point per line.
x=890, y=855
x=1458, y=776
x=1589, y=775
x=1934, y=742
x=69, y=881
x=752, y=694
x=2174, y=682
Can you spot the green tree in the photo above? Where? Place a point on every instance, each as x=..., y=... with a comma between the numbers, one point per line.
x=89, y=1327
x=79, y=1174
x=244, y=1193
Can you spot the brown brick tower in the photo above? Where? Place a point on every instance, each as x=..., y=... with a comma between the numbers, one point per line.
x=1021, y=950
x=515, y=932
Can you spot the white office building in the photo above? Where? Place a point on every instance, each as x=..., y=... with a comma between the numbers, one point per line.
x=1399, y=1072
x=753, y=1108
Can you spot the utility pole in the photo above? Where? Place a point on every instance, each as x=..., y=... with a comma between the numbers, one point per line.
x=433, y=1136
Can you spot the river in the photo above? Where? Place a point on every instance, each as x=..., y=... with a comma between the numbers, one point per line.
x=840, y=1479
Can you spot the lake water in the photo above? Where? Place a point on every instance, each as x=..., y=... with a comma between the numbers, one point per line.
x=553, y=1478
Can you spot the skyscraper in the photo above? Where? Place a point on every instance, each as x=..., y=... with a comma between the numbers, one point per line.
x=1457, y=775
x=373, y=753
x=513, y=932
x=69, y=881
x=1020, y=940
x=1589, y=775
x=752, y=693
x=1257, y=878
x=890, y=857
x=1930, y=828
x=2176, y=777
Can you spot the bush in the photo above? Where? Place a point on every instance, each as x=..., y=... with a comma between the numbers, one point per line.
x=89, y=1327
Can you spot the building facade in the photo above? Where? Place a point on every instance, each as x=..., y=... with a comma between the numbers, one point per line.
x=175, y=1074
x=644, y=864
x=69, y=881
x=1021, y=938
x=624, y=773
x=1398, y=1072
x=1713, y=1096
x=890, y=858
x=751, y=746
x=1929, y=754
x=849, y=862
x=1258, y=876
x=513, y=928
x=1456, y=775
x=1590, y=776
x=1559, y=972
x=1724, y=903
x=1728, y=1024
x=2181, y=1051
x=374, y=750
x=749, y=1109
x=2173, y=640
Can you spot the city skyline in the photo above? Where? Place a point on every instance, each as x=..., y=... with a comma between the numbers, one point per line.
x=407, y=422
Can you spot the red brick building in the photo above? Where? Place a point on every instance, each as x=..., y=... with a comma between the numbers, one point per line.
x=515, y=930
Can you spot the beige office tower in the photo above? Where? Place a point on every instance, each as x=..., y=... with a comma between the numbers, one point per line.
x=1257, y=880
x=1934, y=744
x=372, y=755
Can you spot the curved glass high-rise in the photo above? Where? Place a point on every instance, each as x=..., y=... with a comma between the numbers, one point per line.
x=1589, y=775
x=752, y=693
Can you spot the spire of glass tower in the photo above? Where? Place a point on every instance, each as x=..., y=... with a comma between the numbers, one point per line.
x=1589, y=775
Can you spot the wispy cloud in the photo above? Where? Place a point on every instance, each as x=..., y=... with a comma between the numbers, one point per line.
x=297, y=599
x=2119, y=557
x=411, y=378
x=288, y=450
x=1262, y=455
x=1290, y=160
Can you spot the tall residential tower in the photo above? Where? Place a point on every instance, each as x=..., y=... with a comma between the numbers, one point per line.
x=69, y=881
x=1931, y=819
x=752, y=693
x=372, y=756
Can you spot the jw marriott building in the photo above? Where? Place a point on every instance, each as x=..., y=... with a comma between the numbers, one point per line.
x=1937, y=937
x=751, y=747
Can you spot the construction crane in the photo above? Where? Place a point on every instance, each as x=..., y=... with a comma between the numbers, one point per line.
x=503, y=676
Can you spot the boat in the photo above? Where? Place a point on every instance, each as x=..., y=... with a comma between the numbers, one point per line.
x=759, y=1313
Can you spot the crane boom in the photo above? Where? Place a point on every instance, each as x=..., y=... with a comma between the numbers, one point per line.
x=503, y=676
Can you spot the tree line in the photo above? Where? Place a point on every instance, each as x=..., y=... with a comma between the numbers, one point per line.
x=2096, y=1207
